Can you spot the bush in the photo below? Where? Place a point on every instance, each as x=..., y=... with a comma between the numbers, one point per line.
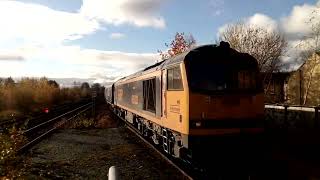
x=81, y=122
x=10, y=164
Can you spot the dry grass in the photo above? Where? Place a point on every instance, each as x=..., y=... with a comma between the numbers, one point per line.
x=82, y=121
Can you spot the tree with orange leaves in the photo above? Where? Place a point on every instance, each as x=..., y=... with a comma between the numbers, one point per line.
x=180, y=44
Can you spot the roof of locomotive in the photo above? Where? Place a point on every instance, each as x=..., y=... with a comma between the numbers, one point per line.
x=160, y=65
x=180, y=58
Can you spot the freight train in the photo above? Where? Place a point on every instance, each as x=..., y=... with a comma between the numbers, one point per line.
x=184, y=102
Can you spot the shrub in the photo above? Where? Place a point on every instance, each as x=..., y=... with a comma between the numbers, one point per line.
x=81, y=122
x=10, y=164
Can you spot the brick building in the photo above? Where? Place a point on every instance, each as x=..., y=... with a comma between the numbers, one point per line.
x=275, y=88
x=299, y=87
x=303, y=86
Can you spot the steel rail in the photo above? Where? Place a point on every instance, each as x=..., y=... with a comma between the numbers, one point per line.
x=131, y=128
x=24, y=147
x=55, y=108
x=39, y=125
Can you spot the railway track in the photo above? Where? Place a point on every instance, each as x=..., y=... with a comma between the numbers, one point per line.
x=39, y=117
x=186, y=173
x=40, y=130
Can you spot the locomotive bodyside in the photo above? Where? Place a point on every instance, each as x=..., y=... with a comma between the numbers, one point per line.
x=157, y=112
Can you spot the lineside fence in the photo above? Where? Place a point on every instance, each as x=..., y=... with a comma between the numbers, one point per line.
x=291, y=116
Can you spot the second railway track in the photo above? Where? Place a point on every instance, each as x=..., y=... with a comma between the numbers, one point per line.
x=38, y=131
x=40, y=116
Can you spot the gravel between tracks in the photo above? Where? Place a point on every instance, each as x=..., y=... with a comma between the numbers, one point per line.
x=88, y=154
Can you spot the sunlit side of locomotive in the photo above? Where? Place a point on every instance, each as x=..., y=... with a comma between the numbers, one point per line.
x=185, y=101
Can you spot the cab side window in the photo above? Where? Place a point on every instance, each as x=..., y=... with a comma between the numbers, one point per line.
x=174, y=79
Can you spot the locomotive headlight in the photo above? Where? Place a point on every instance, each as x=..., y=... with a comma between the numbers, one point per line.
x=198, y=124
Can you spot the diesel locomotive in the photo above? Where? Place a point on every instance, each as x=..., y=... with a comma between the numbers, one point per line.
x=184, y=102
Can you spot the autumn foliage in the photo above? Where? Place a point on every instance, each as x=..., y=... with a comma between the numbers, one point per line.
x=31, y=95
x=180, y=44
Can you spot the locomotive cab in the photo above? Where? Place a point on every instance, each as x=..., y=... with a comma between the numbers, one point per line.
x=225, y=98
x=225, y=93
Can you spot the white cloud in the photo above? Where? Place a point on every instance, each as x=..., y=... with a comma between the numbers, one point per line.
x=294, y=26
x=297, y=22
x=257, y=20
x=40, y=24
x=32, y=39
x=141, y=13
x=34, y=23
x=117, y=35
x=9, y=55
x=73, y=61
x=262, y=21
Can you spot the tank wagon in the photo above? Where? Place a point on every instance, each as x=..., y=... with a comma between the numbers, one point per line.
x=182, y=103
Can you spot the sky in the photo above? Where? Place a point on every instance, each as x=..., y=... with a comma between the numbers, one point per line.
x=107, y=39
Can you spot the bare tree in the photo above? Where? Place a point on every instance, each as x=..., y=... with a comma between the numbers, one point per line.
x=265, y=45
x=180, y=44
x=310, y=48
